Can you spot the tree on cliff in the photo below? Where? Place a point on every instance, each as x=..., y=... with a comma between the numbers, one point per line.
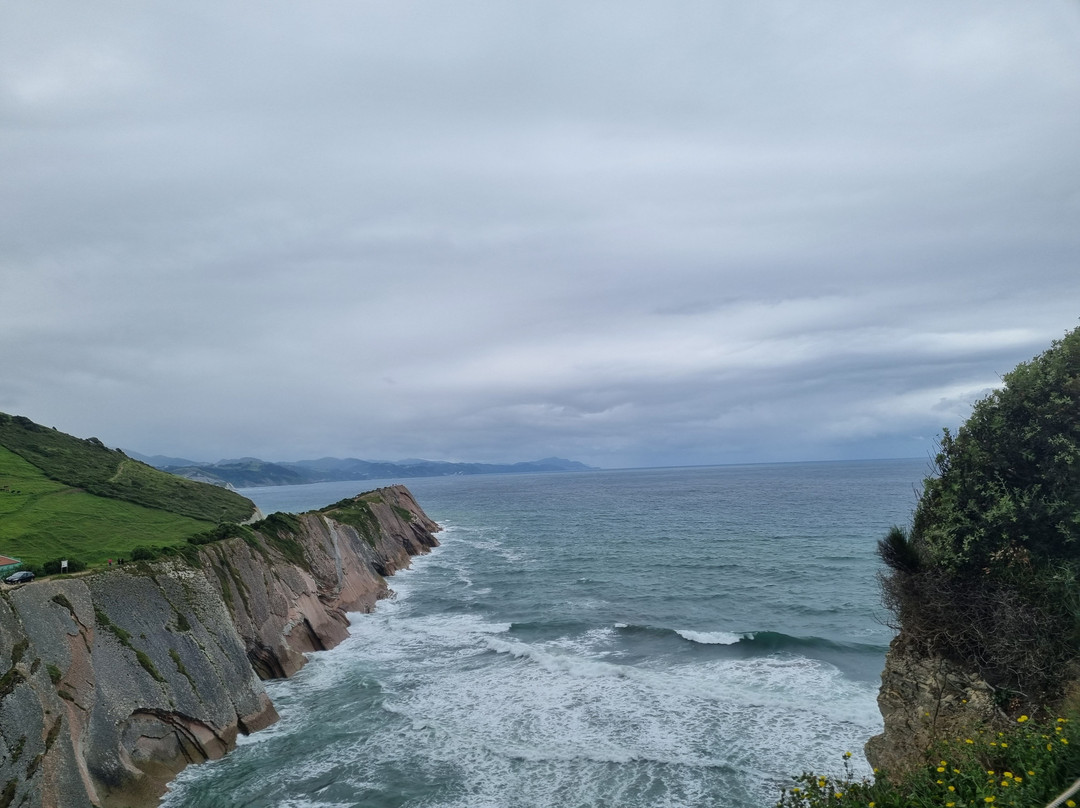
x=988, y=575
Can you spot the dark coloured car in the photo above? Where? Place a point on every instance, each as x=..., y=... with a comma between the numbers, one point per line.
x=22, y=577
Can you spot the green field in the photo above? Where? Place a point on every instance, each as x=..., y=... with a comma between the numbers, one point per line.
x=42, y=519
x=87, y=464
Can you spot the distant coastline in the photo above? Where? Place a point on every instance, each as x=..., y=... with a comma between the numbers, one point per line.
x=251, y=472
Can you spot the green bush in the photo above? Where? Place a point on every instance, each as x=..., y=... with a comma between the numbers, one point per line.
x=1007, y=491
x=53, y=567
x=989, y=574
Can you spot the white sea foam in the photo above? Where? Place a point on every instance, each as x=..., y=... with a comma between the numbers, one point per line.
x=710, y=637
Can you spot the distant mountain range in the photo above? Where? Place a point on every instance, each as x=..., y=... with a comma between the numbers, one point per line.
x=248, y=472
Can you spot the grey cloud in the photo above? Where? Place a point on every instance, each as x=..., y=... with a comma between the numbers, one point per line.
x=624, y=232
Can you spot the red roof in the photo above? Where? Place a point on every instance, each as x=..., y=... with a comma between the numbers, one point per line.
x=5, y=561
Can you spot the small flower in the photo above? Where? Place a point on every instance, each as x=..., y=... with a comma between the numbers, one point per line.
x=1007, y=774
x=1065, y=741
x=1004, y=746
x=968, y=740
x=950, y=805
x=941, y=768
x=1070, y=803
x=1021, y=719
x=988, y=799
x=1031, y=773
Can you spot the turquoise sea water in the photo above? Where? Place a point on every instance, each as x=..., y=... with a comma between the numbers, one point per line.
x=656, y=637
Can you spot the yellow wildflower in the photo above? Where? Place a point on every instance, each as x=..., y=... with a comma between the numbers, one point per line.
x=941, y=768
x=1021, y=719
x=1007, y=774
x=1070, y=803
x=1065, y=741
x=988, y=799
x=968, y=740
x=952, y=788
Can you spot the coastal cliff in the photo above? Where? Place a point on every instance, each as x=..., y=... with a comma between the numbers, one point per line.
x=114, y=681
x=924, y=699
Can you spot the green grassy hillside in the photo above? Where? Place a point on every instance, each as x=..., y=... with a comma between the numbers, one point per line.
x=61, y=496
x=41, y=519
x=89, y=465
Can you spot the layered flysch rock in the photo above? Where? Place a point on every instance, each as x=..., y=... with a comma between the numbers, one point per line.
x=114, y=681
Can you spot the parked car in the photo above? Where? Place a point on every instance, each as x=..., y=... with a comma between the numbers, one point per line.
x=21, y=577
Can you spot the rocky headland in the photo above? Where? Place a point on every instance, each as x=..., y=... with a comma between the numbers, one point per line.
x=115, y=680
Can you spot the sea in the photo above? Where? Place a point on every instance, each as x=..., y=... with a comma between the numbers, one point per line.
x=660, y=638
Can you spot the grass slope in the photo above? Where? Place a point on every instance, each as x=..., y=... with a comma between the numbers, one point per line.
x=42, y=519
x=91, y=466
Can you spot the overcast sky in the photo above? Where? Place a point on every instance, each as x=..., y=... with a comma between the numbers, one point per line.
x=625, y=232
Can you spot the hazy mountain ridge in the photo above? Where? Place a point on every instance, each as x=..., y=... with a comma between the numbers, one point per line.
x=249, y=471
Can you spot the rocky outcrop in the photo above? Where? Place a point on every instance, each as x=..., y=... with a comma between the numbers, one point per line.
x=925, y=699
x=114, y=681
x=284, y=608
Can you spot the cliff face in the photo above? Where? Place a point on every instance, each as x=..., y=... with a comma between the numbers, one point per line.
x=282, y=609
x=925, y=699
x=114, y=681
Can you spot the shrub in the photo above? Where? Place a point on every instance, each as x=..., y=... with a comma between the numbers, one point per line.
x=53, y=567
x=988, y=575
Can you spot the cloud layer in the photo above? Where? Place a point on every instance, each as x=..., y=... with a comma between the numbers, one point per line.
x=630, y=233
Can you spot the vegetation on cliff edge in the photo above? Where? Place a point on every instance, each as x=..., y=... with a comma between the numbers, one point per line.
x=987, y=576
